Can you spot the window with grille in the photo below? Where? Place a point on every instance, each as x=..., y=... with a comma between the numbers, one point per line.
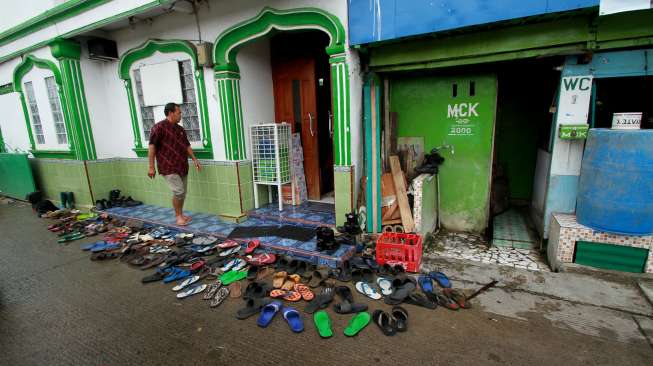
x=55, y=106
x=189, y=115
x=34, y=112
x=147, y=113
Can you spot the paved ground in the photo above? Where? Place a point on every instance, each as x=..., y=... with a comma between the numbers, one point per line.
x=59, y=308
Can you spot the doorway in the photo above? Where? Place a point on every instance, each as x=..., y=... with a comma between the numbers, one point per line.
x=302, y=97
x=525, y=106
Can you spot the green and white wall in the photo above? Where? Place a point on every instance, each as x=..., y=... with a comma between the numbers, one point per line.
x=102, y=114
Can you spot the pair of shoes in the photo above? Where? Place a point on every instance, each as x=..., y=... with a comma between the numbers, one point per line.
x=391, y=323
x=267, y=312
x=67, y=199
x=357, y=323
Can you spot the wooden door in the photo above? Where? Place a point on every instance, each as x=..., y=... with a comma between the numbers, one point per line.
x=295, y=103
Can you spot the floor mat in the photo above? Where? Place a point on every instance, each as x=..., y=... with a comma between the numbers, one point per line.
x=253, y=232
x=285, y=231
x=321, y=207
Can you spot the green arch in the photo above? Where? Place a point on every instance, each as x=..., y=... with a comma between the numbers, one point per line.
x=148, y=48
x=27, y=64
x=231, y=40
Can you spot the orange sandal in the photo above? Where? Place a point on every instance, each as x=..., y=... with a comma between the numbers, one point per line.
x=303, y=290
x=290, y=282
x=292, y=296
x=278, y=279
x=278, y=293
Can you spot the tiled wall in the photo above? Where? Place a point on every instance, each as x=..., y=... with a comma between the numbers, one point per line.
x=212, y=190
x=53, y=176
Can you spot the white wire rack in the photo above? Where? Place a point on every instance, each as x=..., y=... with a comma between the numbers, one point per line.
x=271, y=148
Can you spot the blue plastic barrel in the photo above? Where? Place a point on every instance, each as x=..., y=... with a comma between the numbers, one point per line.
x=615, y=192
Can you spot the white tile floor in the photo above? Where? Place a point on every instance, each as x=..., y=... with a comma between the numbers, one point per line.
x=474, y=248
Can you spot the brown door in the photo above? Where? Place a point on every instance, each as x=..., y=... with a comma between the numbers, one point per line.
x=295, y=103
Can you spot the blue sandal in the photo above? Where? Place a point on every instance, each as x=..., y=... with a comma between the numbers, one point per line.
x=440, y=278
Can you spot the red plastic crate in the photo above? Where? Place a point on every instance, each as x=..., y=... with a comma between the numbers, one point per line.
x=400, y=248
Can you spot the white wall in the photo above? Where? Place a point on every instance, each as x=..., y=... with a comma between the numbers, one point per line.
x=256, y=87
x=108, y=108
x=12, y=123
x=16, y=12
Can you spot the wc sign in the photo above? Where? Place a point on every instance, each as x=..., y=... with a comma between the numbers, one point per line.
x=575, y=95
x=462, y=112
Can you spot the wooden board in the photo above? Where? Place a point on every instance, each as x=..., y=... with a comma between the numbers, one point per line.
x=402, y=196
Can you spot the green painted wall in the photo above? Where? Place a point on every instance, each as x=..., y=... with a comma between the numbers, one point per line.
x=426, y=107
x=53, y=176
x=16, y=179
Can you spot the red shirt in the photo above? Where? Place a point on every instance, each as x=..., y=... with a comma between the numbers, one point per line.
x=171, y=145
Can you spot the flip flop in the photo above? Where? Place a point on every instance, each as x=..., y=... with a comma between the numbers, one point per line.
x=458, y=297
x=268, y=312
x=188, y=281
x=235, y=276
x=304, y=291
x=321, y=301
x=279, y=279
x=323, y=324
x=219, y=297
x=441, y=279
x=252, y=306
x=347, y=306
x=425, y=283
x=256, y=290
x=212, y=290
x=235, y=290
x=419, y=299
x=385, y=285
x=292, y=296
x=176, y=274
x=229, y=251
x=357, y=323
x=228, y=244
x=294, y=319
x=344, y=272
x=229, y=265
x=262, y=258
x=385, y=322
x=240, y=264
x=367, y=290
x=251, y=246
x=401, y=318
x=290, y=282
x=252, y=273
x=318, y=277
x=191, y=290
x=278, y=293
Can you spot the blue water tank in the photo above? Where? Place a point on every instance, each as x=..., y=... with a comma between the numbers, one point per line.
x=615, y=192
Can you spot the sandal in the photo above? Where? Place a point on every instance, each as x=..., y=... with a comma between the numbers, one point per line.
x=320, y=301
x=304, y=291
x=267, y=313
x=367, y=290
x=219, y=297
x=385, y=322
x=357, y=323
x=347, y=306
x=252, y=306
x=279, y=279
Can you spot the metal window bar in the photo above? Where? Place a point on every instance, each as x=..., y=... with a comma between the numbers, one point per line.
x=271, y=147
x=34, y=112
x=55, y=107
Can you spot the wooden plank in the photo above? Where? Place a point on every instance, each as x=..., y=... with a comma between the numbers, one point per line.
x=392, y=222
x=390, y=211
x=386, y=126
x=402, y=196
x=392, y=136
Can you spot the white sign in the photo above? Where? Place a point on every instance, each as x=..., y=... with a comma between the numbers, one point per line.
x=462, y=114
x=574, y=103
x=161, y=84
x=617, y=6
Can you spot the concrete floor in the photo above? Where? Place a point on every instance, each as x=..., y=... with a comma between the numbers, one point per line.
x=59, y=308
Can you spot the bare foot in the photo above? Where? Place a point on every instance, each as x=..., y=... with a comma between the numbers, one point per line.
x=187, y=218
x=181, y=221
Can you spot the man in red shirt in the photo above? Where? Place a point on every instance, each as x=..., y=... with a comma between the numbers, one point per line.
x=169, y=144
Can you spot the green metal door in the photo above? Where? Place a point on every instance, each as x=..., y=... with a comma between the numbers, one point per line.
x=16, y=179
x=458, y=111
x=608, y=256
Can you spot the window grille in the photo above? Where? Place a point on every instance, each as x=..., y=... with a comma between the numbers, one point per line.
x=34, y=112
x=55, y=107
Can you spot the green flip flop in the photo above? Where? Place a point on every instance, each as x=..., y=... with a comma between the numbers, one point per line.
x=232, y=276
x=357, y=323
x=323, y=324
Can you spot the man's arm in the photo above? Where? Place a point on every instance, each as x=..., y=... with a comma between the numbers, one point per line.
x=151, y=152
x=190, y=153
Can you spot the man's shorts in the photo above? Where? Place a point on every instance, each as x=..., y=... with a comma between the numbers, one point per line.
x=178, y=185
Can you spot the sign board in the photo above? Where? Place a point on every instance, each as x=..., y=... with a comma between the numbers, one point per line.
x=161, y=84
x=574, y=102
x=607, y=7
x=464, y=117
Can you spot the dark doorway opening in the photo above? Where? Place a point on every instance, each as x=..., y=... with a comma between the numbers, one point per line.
x=302, y=97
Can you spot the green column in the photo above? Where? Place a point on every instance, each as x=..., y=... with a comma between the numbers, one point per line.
x=2, y=143
x=340, y=98
x=76, y=108
x=228, y=84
